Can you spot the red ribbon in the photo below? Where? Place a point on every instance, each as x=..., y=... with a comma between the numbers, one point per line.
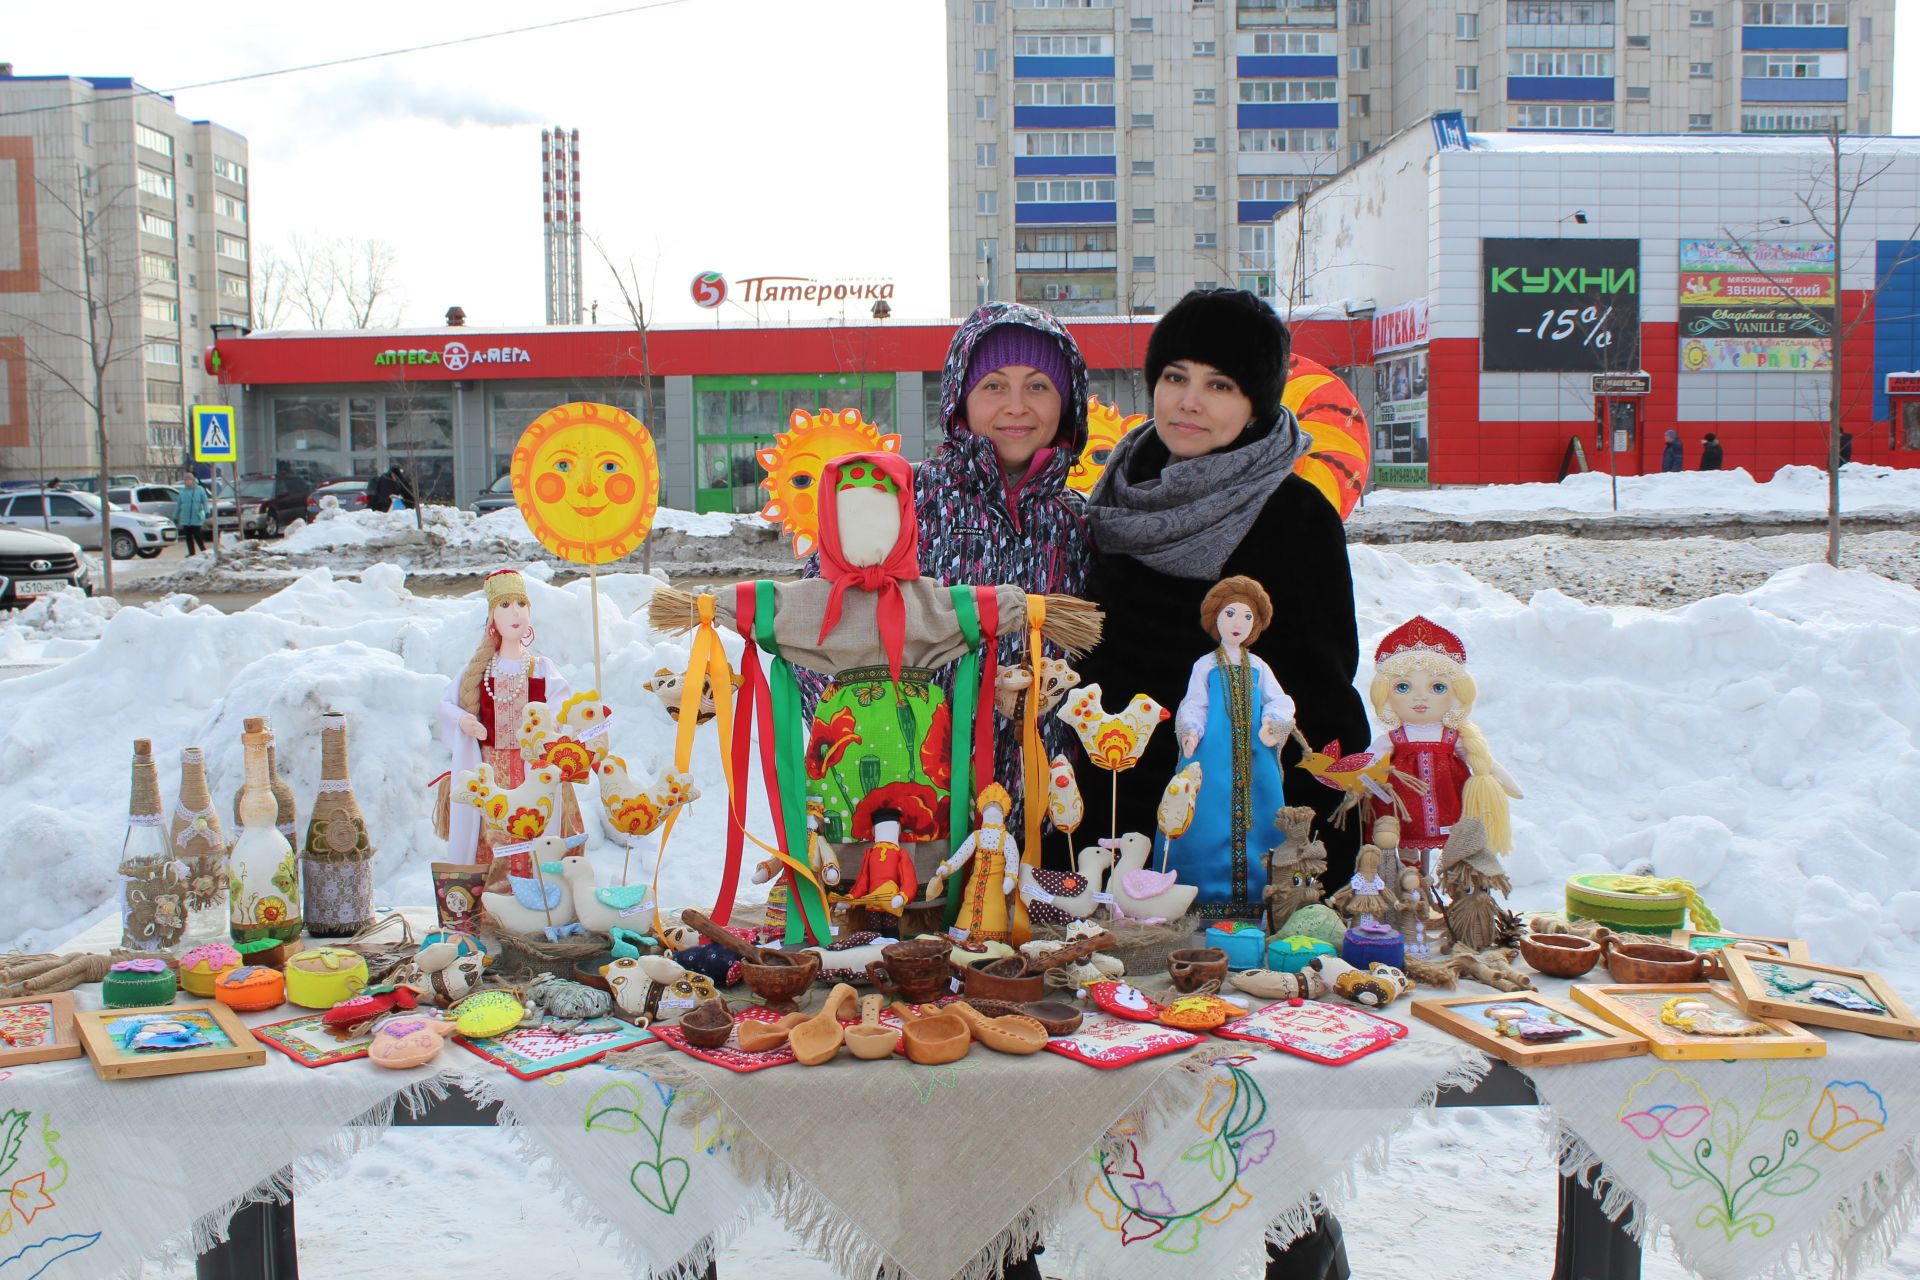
x=987, y=602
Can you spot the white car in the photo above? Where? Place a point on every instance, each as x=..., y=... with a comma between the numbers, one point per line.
x=152, y=499
x=76, y=515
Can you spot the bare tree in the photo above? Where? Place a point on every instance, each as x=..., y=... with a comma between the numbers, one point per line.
x=403, y=401
x=1828, y=201
x=328, y=283
x=271, y=278
x=367, y=283
x=100, y=295
x=628, y=283
x=312, y=279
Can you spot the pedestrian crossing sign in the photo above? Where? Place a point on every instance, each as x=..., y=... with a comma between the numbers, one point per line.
x=213, y=439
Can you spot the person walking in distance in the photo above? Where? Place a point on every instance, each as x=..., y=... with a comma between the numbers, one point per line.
x=193, y=512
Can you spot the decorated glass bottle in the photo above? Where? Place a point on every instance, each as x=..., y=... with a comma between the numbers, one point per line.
x=265, y=888
x=337, y=859
x=199, y=842
x=153, y=882
x=286, y=814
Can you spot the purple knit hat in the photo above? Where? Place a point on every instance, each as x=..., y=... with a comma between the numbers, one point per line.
x=1015, y=344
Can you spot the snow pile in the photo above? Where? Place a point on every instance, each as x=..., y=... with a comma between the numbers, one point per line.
x=66, y=624
x=1792, y=489
x=438, y=527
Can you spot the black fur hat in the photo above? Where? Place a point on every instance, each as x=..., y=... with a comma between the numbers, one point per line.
x=1233, y=331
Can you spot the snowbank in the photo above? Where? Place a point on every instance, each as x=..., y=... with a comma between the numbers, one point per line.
x=335, y=528
x=1792, y=489
x=1766, y=745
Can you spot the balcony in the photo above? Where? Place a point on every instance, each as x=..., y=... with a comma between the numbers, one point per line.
x=1530, y=35
x=1789, y=89
x=1094, y=260
x=1559, y=88
x=1287, y=13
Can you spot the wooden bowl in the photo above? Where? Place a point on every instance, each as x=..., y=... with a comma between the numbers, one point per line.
x=1194, y=967
x=780, y=985
x=707, y=1025
x=1650, y=962
x=1003, y=980
x=1057, y=1016
x=937, y=1038
x=1560, y=955
x=916, y=971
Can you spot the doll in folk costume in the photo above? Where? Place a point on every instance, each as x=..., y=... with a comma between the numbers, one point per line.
x=480, y=719
x=879, y=754
x=1232, y=722
x=1443, y=769
x=992, y=860
x=1368, y=895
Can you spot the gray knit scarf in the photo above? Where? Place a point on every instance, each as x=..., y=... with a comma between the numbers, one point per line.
x=1188, y=515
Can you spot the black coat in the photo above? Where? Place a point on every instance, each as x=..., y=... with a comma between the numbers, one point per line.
x=1297, y=550
x=1711, y=456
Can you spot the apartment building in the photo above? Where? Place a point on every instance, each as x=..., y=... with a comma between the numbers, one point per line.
x=108, y=195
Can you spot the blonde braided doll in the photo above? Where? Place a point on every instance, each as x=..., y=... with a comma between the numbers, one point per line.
x=1443, y=770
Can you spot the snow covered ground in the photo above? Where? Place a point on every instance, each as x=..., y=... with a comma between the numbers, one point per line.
x=1792, y=489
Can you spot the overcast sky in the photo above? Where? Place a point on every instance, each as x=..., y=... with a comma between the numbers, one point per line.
x=749, y=137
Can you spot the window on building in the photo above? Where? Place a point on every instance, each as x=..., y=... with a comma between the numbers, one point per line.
x=1289, y=90
x=1206, y=191
x=1866, y=79
x=1288, y=139
x=986, y=203
x=155, y=183
x=189, y=239
x=1143, y=214
x=1360, y=105
x=983, y=108
x=1700, y=123
x=1064, y=190
x=160, y=310
x=1359, y=151
x=1063, y=46
x=1700, y=70
x=1295, y=44
x=232, y=247
x=1472, y=122
x=1466, y=79
x=986, y=250
x=164, y=353
x=1142, y=71
x=1556, y=115
x=152, y=139
x=86, y=133
x=1205, y=146
x=1788, y=122
x=155, y=267
x=1639, y=42
x=1866, y=31
x=1142, y=24
x=233, y=286
x=1256, y=245
x=1063, y=4
x=1063, y=93
x=1143, y=119
x=1466, y=26
x=1204, y=48
x=986, y=61
x=1639, y=93
x=1783, y=66
x=228, y=207
x=1075, y=143
x=1277, y=188
x=1359, y=12
x=1359, y=57
x=983, y=13
x=1794, y=13
x=1700, y=17
x=1143, y=168
x=232, y=170
x=167, y=393
x=1142, y=263
x=155, y=225
x=986, y=155
x=1206, y=240
x=1560, y=12
x=1205, y=97
x=1559, y=62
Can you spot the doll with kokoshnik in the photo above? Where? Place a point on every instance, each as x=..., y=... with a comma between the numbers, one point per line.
x=880, y=748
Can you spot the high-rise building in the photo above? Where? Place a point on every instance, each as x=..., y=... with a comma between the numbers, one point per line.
x=1108, y=155
x=123, y=240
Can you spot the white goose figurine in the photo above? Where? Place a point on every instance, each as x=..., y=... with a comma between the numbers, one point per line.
x=524, y=911
x=1046, y=892
x=1151, y=897
x=621, y=907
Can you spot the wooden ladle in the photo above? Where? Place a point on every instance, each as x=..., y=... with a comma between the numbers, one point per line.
x=700, y=924
x=934, y=1038
x=754, y=1036
x=1009, y=1033
x=1072, y=953
x=870, y=1040
x=819, y=1038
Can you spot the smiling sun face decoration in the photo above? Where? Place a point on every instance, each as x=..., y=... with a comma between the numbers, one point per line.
x=1105, y=426
x=793, y=466
x=587, y=479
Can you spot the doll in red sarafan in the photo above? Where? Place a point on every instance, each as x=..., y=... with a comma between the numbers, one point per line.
x=1443, y=769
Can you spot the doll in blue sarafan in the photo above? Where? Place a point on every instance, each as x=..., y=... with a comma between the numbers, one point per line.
x=1232, y=722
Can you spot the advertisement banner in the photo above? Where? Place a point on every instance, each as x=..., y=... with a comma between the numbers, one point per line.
x=1767, y=307
x=1559, y=305
x=1399, y=416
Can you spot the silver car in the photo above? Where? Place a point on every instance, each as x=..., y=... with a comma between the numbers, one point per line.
x=149, y=499
x=76, y=515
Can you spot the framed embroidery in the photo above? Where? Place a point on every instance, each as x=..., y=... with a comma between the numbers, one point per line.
x=1530, y=1030
x=1712, y=944
x=1684, y=1020
x=1106, y=1042
x=38, y=1029
x=1825, y=995
x=1333, y=1034
x=531, y=1052
x=129, y=1043
x=312, y=1043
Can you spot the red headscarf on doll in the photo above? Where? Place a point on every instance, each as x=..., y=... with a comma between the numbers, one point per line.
x=902, y=564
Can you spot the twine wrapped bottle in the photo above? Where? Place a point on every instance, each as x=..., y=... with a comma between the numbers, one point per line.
x=265, y=900
x=198, y=841
x=286, y=811
x=153, y=882
x=338, y=856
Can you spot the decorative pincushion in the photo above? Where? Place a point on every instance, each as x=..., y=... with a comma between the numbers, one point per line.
x=132, y=984
x=202, y=966
x=1374, y=943
x=322, y=977
x=370, y=1004
x=1291, y=955
x=1124, y=1000
x=487, y=1014
x=1240, y=940
x=1199, y=1013
x=250, y=988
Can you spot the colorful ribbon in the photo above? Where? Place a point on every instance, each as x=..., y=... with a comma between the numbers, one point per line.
x=706, y=666
x=782, y=768
x=966, y=697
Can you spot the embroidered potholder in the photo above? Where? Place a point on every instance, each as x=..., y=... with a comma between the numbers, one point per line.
x=1124, y=1000
x=1108, y=1042
x=1330, y=1033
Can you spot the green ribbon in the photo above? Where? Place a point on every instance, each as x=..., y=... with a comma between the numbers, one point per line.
x=790, y=803
x=966, y=702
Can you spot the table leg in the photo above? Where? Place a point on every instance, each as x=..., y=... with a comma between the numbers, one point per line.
x=1590, y=1245
x=260, y=1245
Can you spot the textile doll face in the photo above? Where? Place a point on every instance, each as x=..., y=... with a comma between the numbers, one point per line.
x=512, y=617
x=1423, y=697
x=1235, y=623
x=1198, y=409
x=1018, y=408
x=869, y=517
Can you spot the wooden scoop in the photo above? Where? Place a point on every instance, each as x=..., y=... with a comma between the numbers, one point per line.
x=698, y=922
x=934, y=1038
x=1072, y=953
x=818, y=1038
x=754, y=1036
x=1010, y=1033
x=870, y=1040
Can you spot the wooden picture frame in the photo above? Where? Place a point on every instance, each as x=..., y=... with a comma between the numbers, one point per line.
x=111, y=1034
x=1636, y=1006
x=1466, y=1017
x=56, y=1038
x=1711, y=942
x=1756, y=994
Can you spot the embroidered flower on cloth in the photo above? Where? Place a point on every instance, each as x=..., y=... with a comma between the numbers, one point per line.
x=1666, y=1102
x=1847, y=1113
x=574, y=759
x=526, y=823
x=830, y=740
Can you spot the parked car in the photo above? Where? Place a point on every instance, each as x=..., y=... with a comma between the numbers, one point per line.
x=35, y=564
x=153, y=499
x=267, y=505
x=351, y=495
x=497, y=496
x=91, y=481
x=76, y=515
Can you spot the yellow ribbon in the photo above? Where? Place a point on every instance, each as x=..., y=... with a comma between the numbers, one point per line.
x=707, y=666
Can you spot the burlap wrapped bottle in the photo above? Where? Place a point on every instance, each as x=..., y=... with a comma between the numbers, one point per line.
x=286, y=811
x=153, y=882
x=338, y=856
x=265, y=900
x=198, y=841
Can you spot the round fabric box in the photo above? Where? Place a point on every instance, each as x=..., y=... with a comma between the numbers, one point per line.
x=1241, y=941
x=1315, y=920
x=202, y=966
x=250, y=988
x=1603, y=897
x=1362, y=949
x=322, y=977
x=133, y=984
x=1291, y=955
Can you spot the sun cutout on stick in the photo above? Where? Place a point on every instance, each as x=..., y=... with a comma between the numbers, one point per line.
x=793, y=466
x=587, y=479
x=1105, y=426
x=1339, y=450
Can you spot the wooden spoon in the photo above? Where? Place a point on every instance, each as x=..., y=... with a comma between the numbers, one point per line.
x=870, y=1040
x=819, y=1038
x=1072, y=953
x=698, y=922
x=934, y=1038
x=754, y=1036
x=1011, y=1033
